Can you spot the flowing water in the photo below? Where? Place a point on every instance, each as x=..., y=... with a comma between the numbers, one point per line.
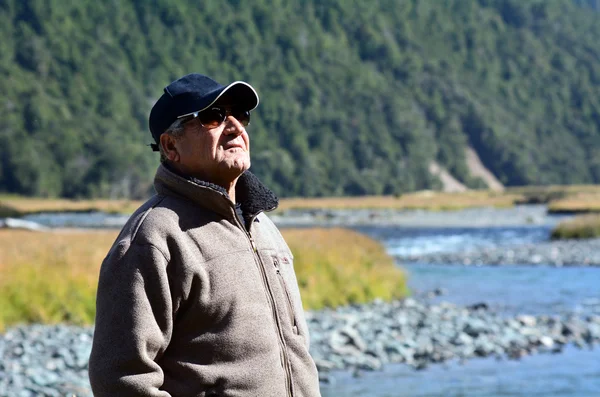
x=512, y=289
x=573, y=373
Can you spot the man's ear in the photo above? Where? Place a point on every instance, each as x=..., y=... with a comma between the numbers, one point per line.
x=168, y=144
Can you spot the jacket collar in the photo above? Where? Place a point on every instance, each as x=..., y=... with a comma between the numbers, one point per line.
x=253, y=196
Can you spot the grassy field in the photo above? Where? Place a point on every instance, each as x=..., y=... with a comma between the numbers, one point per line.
x=14, y=206
x=51, y=277
x=428, y=200
x=561, y=199
x=338, y=266
x=570, y=199
x=580, y=227
x=17, y=206
x=577, y=203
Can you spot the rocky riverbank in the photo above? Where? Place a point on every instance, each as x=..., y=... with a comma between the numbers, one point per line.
x=40, y=360
x=554, y=253
x=52, y=360
x=418, y=334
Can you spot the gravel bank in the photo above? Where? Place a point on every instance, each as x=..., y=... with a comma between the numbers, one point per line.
x=52, y=360
x=555, y=253
x=418, y=334
x=42, y=360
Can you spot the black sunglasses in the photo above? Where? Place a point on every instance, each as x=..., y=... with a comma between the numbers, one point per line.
x=216, y=115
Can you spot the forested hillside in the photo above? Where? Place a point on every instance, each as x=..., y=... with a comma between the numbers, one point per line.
x=357, y=97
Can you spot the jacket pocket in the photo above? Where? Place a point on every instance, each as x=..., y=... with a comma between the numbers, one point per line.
x=288, y=299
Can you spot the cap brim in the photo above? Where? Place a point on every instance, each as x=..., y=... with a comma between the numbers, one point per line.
x=240, y=92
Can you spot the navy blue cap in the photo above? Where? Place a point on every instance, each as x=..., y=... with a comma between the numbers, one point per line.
x=193, y=93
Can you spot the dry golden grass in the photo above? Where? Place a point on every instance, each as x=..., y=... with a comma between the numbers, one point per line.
x=51, y=277
x=428, y=200
x=339, y=266
x=577, y=203
x=559, y=198
x=566, y=189
x=17, y=206
x=575, y=196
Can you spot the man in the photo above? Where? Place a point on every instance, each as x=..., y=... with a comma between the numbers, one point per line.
x=198, y=296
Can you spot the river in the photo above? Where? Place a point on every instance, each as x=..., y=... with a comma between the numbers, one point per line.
x=514, y=289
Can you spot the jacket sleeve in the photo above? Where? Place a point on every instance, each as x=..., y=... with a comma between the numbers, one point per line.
x=134, y=322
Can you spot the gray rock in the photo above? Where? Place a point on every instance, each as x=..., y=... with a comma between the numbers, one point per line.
x=354, y=338
x=529, y=321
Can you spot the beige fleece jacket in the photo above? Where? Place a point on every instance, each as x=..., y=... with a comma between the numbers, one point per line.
x=191, y=302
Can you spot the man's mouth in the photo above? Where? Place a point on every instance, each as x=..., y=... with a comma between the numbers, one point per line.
x=233, y=146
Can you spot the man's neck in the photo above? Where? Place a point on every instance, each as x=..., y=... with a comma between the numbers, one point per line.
x=229, y=186
x=231, y=191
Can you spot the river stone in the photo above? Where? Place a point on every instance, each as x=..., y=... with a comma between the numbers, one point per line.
x=527, y=320
x=462, y=339
x=324, y=365
x=354, y=338
x=475, y=326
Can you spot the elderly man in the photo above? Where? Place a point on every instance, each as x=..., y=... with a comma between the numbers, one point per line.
x=198, y=296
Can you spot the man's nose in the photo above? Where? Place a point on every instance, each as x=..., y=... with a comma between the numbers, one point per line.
x=233, y=126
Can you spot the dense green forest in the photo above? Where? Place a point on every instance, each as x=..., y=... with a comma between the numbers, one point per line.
x=357, y=97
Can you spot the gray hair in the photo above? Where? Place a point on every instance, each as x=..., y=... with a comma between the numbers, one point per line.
x=176, y=130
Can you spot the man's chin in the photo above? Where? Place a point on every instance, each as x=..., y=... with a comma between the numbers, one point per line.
x=236, y=168
x=241, y=162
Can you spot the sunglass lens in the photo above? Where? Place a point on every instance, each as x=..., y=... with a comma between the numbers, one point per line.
x=212, y=118
x=243, y=116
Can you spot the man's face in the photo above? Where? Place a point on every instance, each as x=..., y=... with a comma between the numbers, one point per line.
x=218, y=155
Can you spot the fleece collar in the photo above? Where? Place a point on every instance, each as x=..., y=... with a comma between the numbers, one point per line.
x=251, y=194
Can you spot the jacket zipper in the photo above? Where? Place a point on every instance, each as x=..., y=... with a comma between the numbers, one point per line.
x=282, y=345
x=287, y=294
